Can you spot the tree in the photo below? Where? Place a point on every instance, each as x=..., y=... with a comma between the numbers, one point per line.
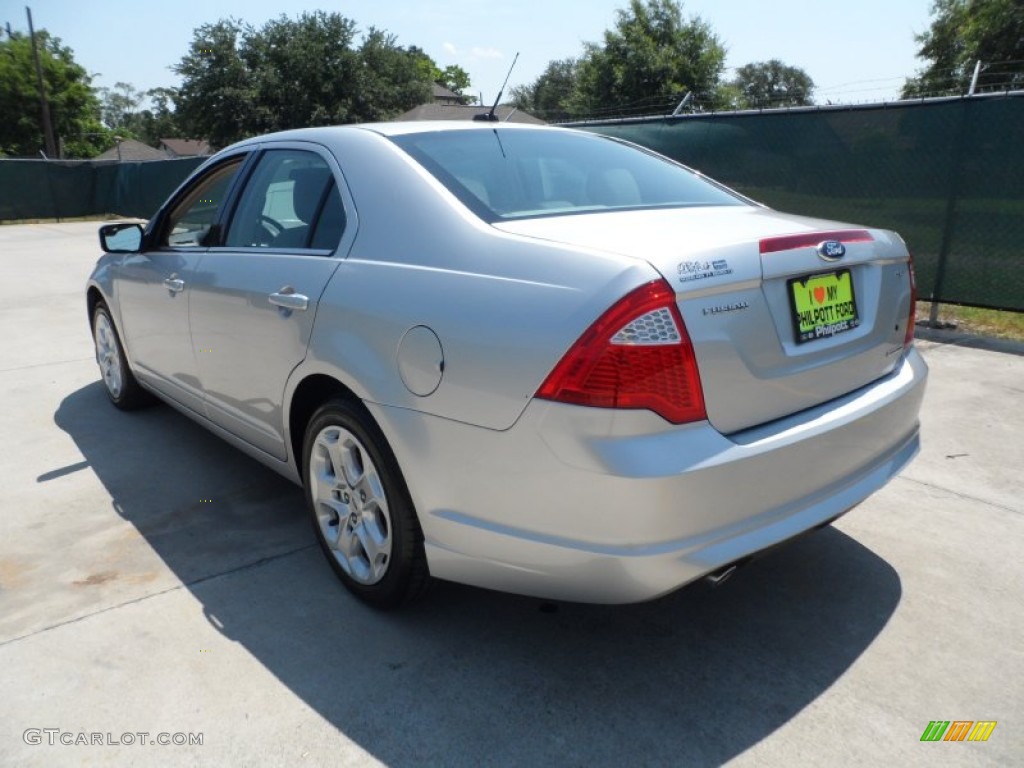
x=548, y=96
x=120, y=106
x=389, y=82
x=160, y=121
x=765, y=84
x=453, y=77
x=74, y=108
x=240, y=81
x=962, y=33
x=648, y=62
x=122, y=114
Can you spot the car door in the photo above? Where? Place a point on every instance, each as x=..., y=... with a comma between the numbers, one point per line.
x=153, y=287
x=255, y=298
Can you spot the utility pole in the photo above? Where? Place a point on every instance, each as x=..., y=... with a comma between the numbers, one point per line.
x=44, y=104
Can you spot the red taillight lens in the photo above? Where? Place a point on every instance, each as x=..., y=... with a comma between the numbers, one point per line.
x=636, y=355
x=908, y=338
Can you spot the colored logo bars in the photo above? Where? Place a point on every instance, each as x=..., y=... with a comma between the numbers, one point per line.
x=958, y=730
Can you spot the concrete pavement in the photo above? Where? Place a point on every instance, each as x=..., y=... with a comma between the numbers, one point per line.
x=154, y=580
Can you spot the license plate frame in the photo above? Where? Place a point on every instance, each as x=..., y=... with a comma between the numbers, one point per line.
x=822, y=305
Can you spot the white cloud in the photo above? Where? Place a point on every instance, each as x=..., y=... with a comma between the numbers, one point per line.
x=486, y=53
x=450, y=49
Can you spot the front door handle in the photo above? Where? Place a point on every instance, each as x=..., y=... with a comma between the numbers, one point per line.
x=287, y=298
x=174, y=284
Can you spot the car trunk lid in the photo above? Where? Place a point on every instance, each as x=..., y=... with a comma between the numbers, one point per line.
x=770, y=318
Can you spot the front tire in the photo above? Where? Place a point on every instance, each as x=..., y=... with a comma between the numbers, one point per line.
x=120, y=383
x=361, y=510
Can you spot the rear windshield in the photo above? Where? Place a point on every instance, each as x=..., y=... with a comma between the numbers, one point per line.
x=514, y=174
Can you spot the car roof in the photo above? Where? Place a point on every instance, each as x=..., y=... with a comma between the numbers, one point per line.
x=424, y=126
x=328, y=132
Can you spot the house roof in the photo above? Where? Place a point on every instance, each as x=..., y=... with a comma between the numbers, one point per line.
x=445, y=94
x=187, y=147
x=504, y=113
x=131, y=149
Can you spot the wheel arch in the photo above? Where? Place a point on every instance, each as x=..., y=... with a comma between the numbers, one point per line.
x=310, y=393
x=93, y=296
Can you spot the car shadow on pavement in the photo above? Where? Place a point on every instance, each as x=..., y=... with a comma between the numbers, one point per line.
x=475, y=677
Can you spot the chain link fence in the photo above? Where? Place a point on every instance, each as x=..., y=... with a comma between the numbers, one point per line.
x=58, y=189
x=947, y=174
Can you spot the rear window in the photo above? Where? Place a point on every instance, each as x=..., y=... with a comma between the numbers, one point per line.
x=514, y=174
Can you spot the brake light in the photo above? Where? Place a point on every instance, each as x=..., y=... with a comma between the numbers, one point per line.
x=636, y=355
x=908, y=338
x=805, y=239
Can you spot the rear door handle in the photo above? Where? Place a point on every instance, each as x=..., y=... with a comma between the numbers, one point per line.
x=287, y=298
x=174, y=284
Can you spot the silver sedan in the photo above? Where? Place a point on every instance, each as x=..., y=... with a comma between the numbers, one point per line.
x=530, y=359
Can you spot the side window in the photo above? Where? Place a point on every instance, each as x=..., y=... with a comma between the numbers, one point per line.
x=291, y=201
x=190, y=223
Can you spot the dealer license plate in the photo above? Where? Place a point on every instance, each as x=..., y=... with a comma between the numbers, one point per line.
x=822, y=305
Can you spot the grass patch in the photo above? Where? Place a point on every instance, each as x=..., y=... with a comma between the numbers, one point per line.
x=983, y=322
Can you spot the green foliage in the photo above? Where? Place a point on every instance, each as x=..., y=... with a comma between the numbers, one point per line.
x=962, y=33
x=122, y=116
x=160, y=121
x=456, y=79
x=452, y=77
x=650, y=61
x=548, y=96
x=74, y=108
x=240, y=81
x=118, y=105
x=766, y=84
x=646, y=64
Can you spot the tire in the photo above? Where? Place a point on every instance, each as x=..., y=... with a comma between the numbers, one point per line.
x=360, y=507
x=120, y=383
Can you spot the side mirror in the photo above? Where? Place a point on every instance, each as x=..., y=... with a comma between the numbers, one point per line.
x=124, y=237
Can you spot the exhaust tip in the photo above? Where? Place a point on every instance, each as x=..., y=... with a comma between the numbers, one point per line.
x=719, y=577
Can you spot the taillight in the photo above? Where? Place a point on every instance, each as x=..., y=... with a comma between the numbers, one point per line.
x=908, y=337
x=636, y=355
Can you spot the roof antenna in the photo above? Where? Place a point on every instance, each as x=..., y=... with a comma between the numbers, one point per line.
x=490, y=117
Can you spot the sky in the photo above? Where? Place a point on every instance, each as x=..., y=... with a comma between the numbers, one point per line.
x=855, y=52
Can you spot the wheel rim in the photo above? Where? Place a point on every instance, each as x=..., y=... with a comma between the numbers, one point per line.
x=108, y=355
x=350, y=505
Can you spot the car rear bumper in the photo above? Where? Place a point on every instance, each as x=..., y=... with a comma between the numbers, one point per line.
x=611, y=506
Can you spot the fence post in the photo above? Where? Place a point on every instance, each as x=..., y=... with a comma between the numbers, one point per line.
x=949, y=226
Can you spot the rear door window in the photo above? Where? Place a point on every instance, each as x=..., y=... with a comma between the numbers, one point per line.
x=291, y=201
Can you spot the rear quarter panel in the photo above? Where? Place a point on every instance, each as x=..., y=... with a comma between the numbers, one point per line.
x=505, y=308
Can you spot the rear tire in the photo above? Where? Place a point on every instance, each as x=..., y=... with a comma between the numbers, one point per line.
x=360, y=507
x=120, y=383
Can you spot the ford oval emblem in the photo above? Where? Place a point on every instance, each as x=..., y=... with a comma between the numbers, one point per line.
x=831, y=250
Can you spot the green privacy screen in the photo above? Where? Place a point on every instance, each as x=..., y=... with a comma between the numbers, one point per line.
x=948, y=175
x=55, y=189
